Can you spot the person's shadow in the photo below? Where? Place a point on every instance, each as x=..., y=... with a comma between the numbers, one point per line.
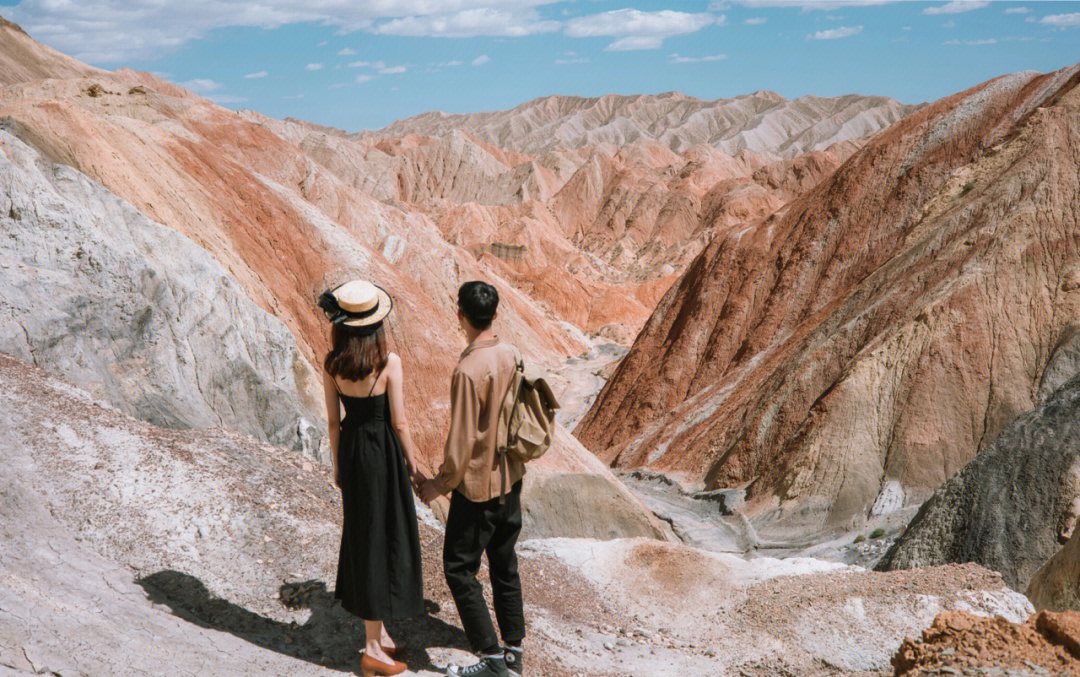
x=331, y=637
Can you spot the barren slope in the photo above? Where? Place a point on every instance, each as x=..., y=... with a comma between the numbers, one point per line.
x=131, y=549
x=859, y=346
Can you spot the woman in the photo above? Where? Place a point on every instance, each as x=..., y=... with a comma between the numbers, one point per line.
x=379, y=575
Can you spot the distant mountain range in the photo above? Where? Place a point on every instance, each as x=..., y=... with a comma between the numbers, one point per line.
x=763, y=122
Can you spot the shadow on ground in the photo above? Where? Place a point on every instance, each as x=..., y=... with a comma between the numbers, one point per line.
x=331, y=637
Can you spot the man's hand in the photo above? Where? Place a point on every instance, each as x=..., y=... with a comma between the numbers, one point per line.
x=429, y=491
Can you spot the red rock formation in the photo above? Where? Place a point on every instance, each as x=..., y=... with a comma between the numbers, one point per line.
x=864, y=342
x=604, y=215
x=957, y=640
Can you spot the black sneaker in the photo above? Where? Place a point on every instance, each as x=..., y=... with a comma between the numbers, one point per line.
x=489, y=666
x=515, y=661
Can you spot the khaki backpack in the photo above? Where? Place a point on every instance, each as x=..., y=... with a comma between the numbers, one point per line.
x=527, y=417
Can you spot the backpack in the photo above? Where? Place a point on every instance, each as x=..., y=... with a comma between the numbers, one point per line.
x=527, y=416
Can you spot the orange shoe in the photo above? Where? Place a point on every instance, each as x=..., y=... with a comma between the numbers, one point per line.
x=371, y=667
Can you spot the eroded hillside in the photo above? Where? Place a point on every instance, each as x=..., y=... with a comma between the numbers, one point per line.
x=848, y=354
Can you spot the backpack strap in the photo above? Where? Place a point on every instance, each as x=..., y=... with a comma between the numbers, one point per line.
x=504, y=470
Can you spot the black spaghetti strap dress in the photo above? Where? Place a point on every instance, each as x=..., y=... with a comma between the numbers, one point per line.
x=379, y=573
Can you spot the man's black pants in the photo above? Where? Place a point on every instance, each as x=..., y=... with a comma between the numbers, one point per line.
x=471, y=530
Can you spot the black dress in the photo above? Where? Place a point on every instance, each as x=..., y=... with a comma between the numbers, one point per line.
x=379, y=572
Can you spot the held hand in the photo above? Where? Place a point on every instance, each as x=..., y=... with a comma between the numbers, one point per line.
x=429, y=492
x=337, y=477
x=417, y=478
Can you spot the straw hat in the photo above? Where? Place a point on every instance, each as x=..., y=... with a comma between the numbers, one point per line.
x=357, y=303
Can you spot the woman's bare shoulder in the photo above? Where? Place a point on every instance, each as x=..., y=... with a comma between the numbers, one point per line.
x=393, y=360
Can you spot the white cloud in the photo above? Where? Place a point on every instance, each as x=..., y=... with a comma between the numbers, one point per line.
x=481, y=60
x=364, y=78
x=986, y=41
x=293, y=96
x=675, y=58
x=109, y=31
x=201, y=85
x=448, y=64
x=807, y=5
x=834, y=33
x=635, y=22
x=639, y=30
x=253, y=76
x=393, y=69
x=572, y=59
x=956, y=7
x=632, y=42
x=313, y=67
x=949, y=24
x=470, y=23
x=348, y=51
x=905, y=28
x=1017, y=10
x=755, y=21
x=1061, y=20
x=377, y=65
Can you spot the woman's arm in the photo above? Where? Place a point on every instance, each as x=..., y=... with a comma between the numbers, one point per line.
x=395, y=378
x=333, y=420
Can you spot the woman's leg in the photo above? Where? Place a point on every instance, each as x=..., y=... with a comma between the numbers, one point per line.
x=372, y=647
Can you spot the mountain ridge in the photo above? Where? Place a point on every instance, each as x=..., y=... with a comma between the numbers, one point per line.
x=679, y=121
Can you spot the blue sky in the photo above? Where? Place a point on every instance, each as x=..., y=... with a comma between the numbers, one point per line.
x=357, y=65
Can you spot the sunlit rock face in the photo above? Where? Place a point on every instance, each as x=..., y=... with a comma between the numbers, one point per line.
x=878, y=331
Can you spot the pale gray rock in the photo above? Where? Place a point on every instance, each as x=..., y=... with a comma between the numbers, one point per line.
x=138, y=314
x=763, y=122
x=1013, y=506
x=135, y=550
x=582, y=505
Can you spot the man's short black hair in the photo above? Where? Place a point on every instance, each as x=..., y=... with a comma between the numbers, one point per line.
x=478, y=302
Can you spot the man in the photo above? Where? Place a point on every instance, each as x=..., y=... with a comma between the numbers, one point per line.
x=485, y=506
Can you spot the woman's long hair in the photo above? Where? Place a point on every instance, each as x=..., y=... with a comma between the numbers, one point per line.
x=356, y=352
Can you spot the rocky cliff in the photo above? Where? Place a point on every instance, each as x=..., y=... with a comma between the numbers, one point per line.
x=852, y=351
x=138, y=314
x=1011, y=508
